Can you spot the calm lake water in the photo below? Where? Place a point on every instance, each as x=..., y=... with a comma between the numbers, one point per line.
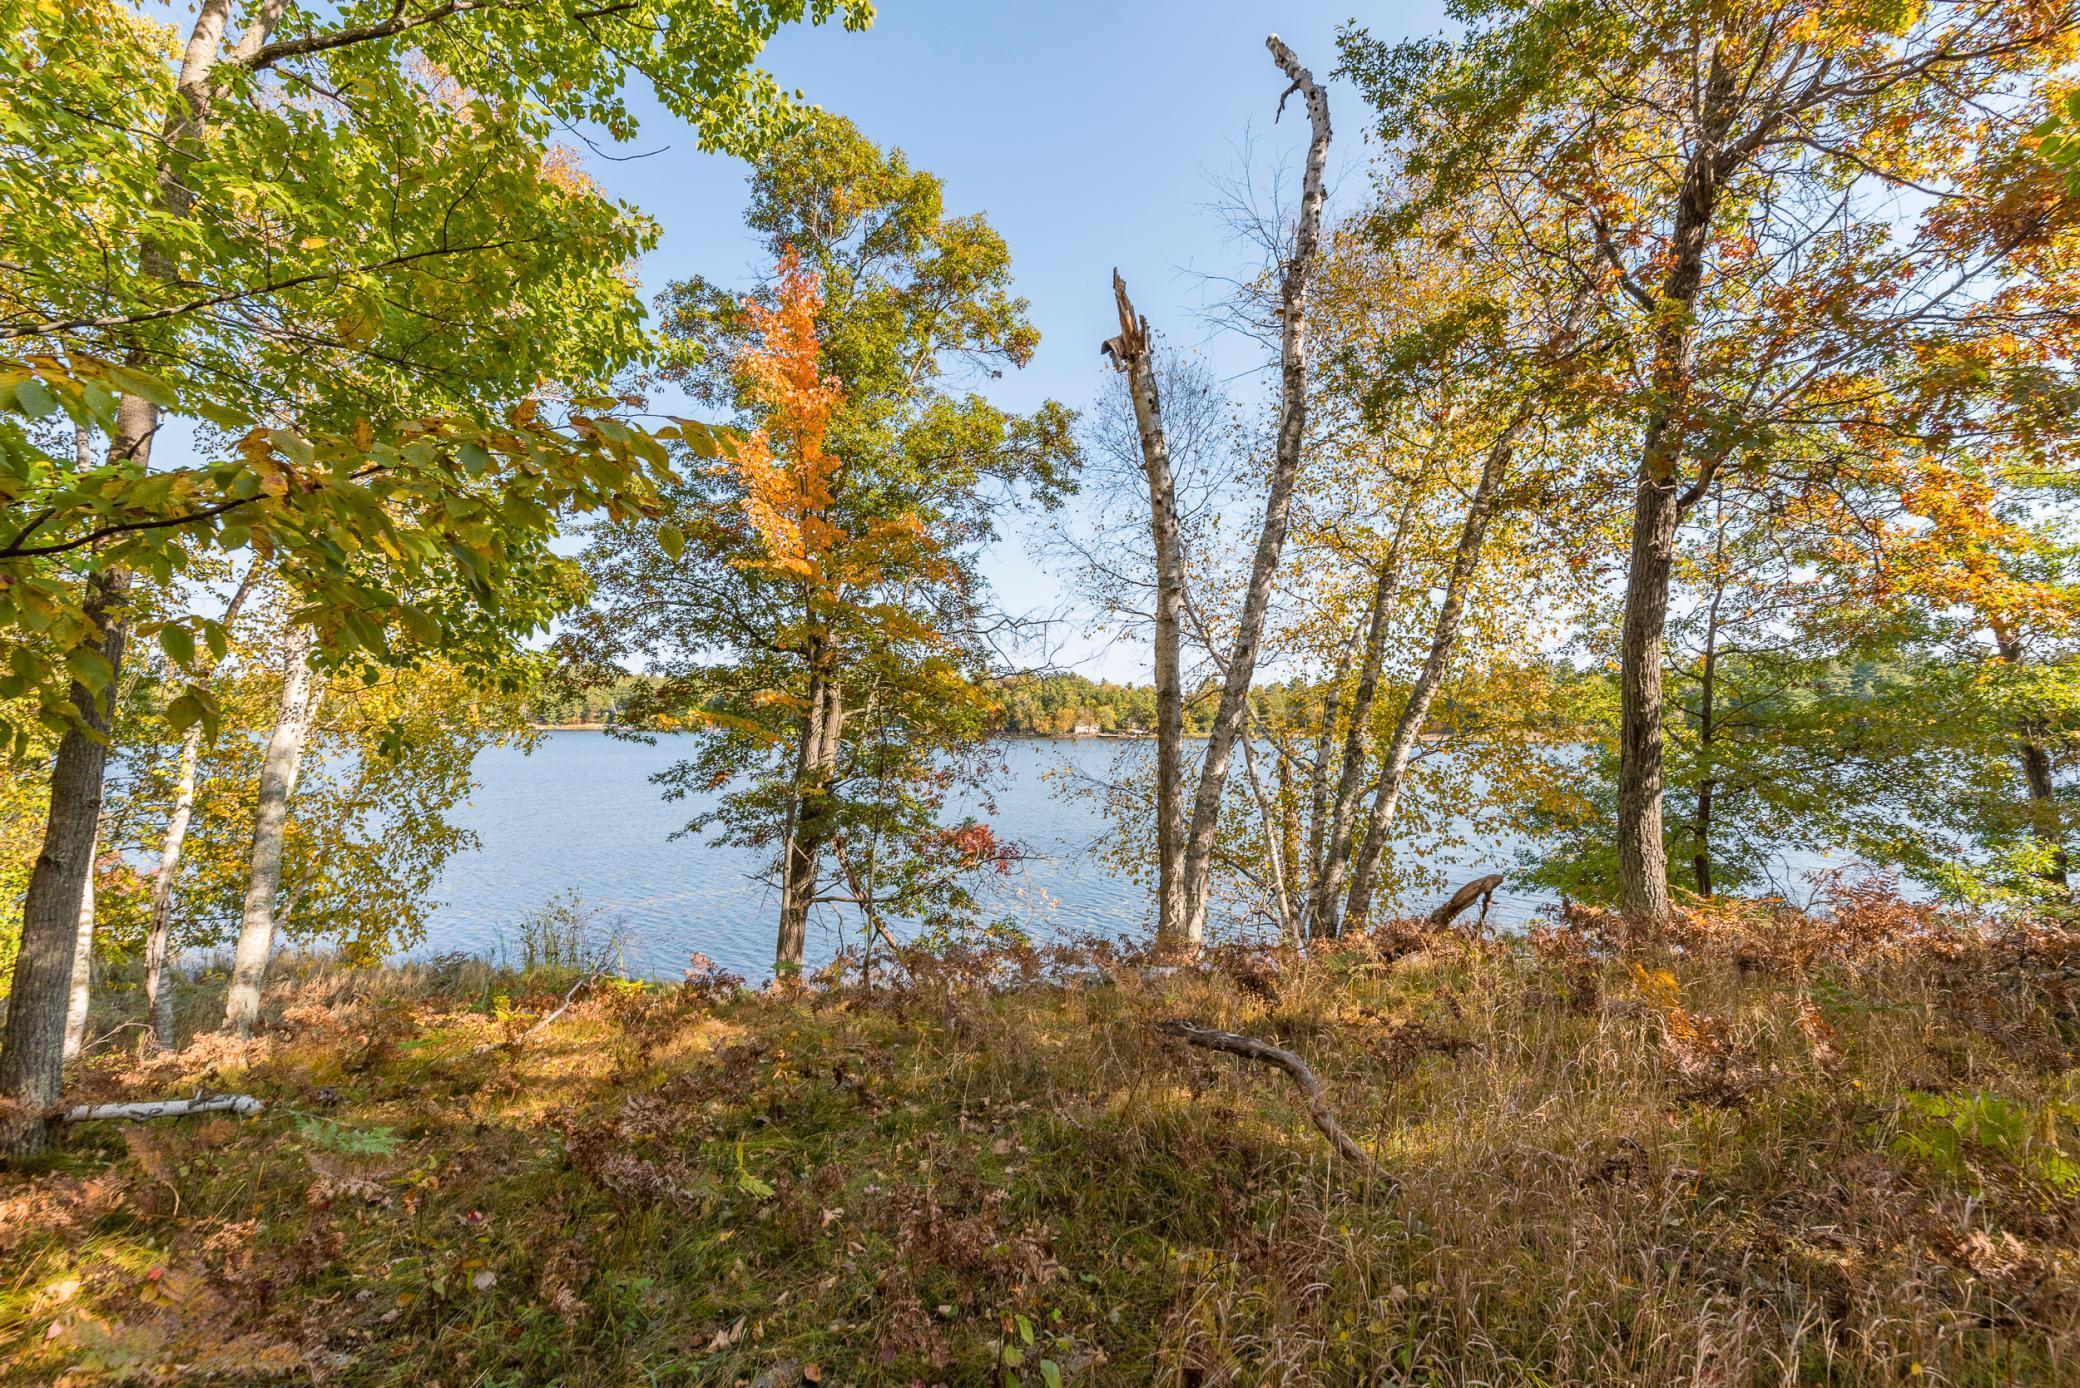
x=579, y=814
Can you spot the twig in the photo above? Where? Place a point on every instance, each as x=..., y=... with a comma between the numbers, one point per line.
x=1249, y=1048
x=164, y=1108
x=562, y=1008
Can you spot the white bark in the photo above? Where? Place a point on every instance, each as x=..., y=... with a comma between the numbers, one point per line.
x=278, y=770
x=1285, y=470
x=1131, y=354
x=164, y=1108
x=158, y=945
x=1444, y=639
x=1325, y=899
x=82, y=959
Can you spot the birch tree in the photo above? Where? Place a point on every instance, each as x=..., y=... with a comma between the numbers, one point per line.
x=1184, y=888
x=302, y=688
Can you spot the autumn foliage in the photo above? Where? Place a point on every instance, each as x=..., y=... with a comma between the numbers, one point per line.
x=786, y=471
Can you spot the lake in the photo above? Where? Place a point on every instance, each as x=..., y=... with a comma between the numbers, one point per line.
x=579, y=814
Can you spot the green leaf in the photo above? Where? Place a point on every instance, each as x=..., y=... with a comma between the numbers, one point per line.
x=179, y=644
x=184, y=712
x=33, y=400
x=89, y=667
x=671, y=539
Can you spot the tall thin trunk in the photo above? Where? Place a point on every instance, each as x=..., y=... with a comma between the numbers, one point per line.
x=1280, y=848
x=32, y=1049
x=1318, y=797
x=808, y=829
x=2047, y=824
x=1444, y=638
x=279, y=766
x=1278, y=499
x=1130, y=353
x=1707, y=727
x=1323, y=901
x=1658, y=506
x=158, y=953
x=82, y=990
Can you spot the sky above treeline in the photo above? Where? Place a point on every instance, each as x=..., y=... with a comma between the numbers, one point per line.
x=1092, y=135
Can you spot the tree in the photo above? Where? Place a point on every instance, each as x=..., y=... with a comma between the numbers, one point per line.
x=1718, y=171
x=1185, y=870
x=234, y=227
x=810, y=602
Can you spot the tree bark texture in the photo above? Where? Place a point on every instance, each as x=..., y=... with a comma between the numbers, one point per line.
x=1230, y=713
x=1658, y=505
x=279, y=766
x=81, y=993
x=1130, y=353
x=32, y=1049
x=809, y=826
x=158, y=991
x=1444, y=638
x=1326, y=896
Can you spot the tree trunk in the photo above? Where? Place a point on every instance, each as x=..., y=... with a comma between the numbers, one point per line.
x=1444, y=637
x=1658, y=506
x=1279, y=832
x=32, y=1050
x=158, y=991
x=82, y=990
x=279, y=767
x=1318, y=769
x=1707, y=727
x=1285, y=470
x=809, y=828
x=1642, y=856
x=1350, y=779
x=1130, y=353
x=2046, y=823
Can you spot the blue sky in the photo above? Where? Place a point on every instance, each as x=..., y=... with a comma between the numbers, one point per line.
x=1090, y=134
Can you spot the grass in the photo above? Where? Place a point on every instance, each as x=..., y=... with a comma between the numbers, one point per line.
x=1761, y=1148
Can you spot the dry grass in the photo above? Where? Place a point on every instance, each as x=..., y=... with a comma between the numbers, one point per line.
x=1760, y=1149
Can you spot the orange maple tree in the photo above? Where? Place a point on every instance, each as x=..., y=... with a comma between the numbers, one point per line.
x=786, y=470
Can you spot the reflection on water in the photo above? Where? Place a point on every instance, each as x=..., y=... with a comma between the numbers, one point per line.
x=580, y=814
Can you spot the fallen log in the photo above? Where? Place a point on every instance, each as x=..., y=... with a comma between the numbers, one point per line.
x=163, y=1108
x=1249, y=1048
x=1481, y=889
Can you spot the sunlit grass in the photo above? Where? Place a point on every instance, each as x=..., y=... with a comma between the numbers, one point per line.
x=1849, y=1163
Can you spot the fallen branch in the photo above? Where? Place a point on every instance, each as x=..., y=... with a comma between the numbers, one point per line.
x=164, y=1108
x=1249, y=1048
x=1481, y=889
x=595, y=976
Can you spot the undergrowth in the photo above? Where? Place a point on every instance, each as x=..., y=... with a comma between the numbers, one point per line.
x=1761, y=1147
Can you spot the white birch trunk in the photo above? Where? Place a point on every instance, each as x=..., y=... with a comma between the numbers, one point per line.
x=1130, y=353
x=82, y=960
x=1444, y=639
x=278, y=771
x=158, y=944
x=1325, y=897
x=1285, y=470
